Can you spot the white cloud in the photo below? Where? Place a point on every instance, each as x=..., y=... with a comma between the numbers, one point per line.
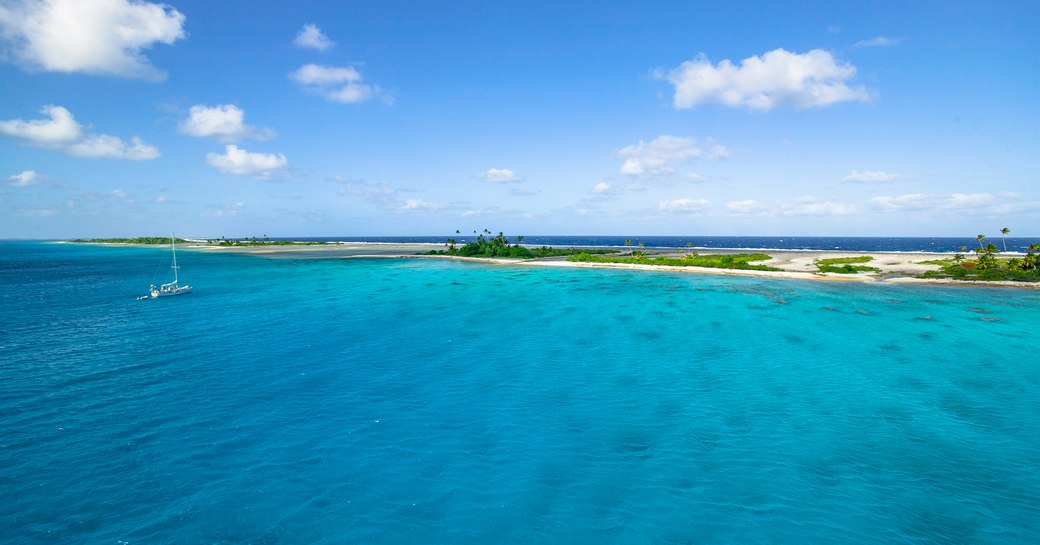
x=39, y=212
x=913, y=202
x=102, y=146
x=383, y=196
x=263, y=166
x=811, y=206
x=24, y=178
x=229, y=211
x=61, y=131
x=777, y=78
x=602, y=188
x=499, y=176
x=310, y=36
x=224, y=121
x=684, y=206
x=747, y=207
x=338, y=84
x=416, y=204
x=89, y=36
x=665, y=154
x=878, y=41
x=497, y=212
x=314, y=74
x=802, y=206
x=870, y=177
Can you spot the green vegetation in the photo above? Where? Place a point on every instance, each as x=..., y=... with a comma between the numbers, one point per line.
x=716, y=261
x=253, y=241
x=138, y=240
x=986, y=266
x=245, y=241
x=499, y=247
x=845, y=265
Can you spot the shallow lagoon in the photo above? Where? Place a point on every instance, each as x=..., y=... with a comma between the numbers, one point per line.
x=407, y=401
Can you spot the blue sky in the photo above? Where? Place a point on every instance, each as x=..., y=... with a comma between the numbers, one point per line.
x=230, y=118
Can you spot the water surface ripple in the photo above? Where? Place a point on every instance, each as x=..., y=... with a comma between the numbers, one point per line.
x=413, y=401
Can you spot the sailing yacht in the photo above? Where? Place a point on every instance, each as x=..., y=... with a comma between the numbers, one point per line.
x=170, y=288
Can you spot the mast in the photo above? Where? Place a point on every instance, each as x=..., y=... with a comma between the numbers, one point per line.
x=173, y=246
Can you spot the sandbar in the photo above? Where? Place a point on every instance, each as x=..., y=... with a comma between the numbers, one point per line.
x=895, y=267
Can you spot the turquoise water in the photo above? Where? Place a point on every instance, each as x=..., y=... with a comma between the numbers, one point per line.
x=416, y=401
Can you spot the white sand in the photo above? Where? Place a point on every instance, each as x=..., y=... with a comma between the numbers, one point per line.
x=895, y=267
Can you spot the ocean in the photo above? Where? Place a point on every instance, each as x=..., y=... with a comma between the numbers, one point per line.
x=385, y=401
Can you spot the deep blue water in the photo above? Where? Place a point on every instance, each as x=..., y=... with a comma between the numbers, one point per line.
x=417, y=401
x=851, y=244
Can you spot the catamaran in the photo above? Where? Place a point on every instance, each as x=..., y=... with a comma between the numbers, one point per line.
x=170, y=288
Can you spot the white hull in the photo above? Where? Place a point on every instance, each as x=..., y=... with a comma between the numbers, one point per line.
x=170, y=293
x=171, y=288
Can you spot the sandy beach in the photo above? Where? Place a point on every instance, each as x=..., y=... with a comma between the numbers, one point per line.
x=895, y=267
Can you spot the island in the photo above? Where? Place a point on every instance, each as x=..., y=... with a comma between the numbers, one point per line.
x=985, y=267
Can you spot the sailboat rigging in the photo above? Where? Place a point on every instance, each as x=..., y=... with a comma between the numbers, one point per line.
x=170, y=288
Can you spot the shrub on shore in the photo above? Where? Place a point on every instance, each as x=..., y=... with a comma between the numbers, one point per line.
x=845, y=265
x=137, y=240
x=716, y=261
x=500, y=247
x=988, y=267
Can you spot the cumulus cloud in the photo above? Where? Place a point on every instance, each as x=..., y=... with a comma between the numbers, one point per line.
x=802, y=206
x=310, y=36
x=24, y=178
x=665, y=154
x=338, y=84
x=747, y=207
x=383, y=196
x=417, y=204
x=602, y=188
x=228, y=211
x=39, y=212
x=684, y=206
x=224, y=121
x=61, y=131
x=88, y=36
x=777, y=78
x=262, y=166
x=870, y=177
x=103, y=146
x=499, y=176
x=498, y=212
x=811, y=206
x=878, y=41
x=912, y=202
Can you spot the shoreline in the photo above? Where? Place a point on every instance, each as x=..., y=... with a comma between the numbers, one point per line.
x=897, y=267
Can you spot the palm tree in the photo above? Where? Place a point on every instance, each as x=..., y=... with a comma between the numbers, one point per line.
x=1032, y=259
x=980, y=238
x=986, y=259
x=1003, y=233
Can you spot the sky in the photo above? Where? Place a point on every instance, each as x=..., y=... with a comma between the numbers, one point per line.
x=311, y=118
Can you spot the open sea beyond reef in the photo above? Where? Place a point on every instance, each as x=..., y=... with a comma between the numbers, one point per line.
x=406, y=401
